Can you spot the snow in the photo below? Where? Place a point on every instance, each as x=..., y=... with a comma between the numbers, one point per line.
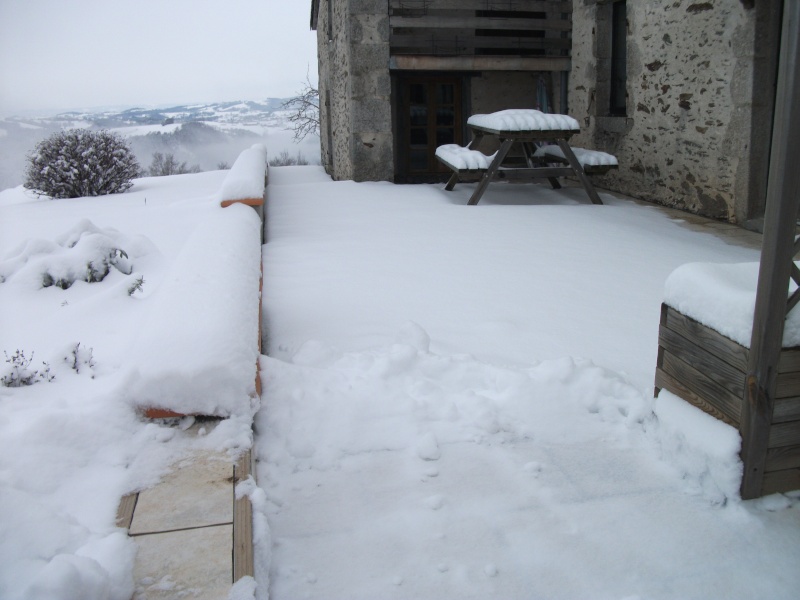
x=457, y=400
x=464, y=158
x=70, y=448
x=210, y=313
x=587, y=158
x=245, y=180
x=518, y=119
x=458, y=404
x=723, y=297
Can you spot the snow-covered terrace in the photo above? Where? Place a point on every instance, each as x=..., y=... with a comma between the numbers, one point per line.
x=457, y=400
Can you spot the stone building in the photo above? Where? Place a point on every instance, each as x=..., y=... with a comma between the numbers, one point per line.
x=400, y=77
x=681, y=91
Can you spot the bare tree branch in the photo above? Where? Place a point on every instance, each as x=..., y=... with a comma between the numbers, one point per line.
x=304, y=117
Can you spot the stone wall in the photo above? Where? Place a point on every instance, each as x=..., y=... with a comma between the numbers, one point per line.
x=355, y=89
x=696, y=134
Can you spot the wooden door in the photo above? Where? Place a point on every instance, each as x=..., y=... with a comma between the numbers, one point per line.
x=431, y=115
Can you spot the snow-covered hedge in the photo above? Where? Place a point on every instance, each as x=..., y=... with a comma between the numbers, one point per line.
x=81, y=162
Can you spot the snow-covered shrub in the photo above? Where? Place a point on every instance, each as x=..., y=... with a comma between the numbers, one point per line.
x=84, y=253
x=17, y=371
x=81, y=162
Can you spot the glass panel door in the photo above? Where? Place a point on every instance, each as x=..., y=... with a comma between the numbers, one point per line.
x=432, y=117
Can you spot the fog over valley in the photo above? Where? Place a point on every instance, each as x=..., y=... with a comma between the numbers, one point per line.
x=207, y=136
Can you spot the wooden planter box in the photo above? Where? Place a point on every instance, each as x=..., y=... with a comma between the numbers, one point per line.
x=708, y=370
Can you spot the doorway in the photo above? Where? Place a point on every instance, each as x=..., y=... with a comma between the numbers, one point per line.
x=429, y=115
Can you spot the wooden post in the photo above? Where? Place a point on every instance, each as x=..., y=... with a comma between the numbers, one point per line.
x=777, y=260
x=490, y=172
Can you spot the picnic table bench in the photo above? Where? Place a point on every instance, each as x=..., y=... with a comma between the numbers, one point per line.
x=527, y=128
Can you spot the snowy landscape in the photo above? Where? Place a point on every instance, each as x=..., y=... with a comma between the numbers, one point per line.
x=457, y=401
x=203, y=135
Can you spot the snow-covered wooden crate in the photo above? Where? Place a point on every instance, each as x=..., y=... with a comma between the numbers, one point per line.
x=708, y=370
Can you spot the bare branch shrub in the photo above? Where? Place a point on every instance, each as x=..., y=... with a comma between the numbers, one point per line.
x=304, y=107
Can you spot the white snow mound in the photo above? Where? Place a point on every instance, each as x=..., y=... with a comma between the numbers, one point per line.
x=206, y=310
x=517, y=119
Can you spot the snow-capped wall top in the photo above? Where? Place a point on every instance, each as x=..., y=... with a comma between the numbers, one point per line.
x=247, y=177
x=524, y=120
x=723, y=297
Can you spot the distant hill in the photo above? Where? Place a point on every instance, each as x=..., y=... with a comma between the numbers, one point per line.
x=198, y=134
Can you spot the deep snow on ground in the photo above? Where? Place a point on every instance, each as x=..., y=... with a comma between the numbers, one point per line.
x=71, y=447
x=458, y=404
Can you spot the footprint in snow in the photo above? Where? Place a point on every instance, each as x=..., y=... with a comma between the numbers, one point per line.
x=435, y=502
x=427, y=447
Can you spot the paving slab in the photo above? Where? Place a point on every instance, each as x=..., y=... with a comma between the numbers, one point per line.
x=197, y=493
x=194, y=563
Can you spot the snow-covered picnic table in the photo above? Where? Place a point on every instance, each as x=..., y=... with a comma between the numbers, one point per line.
x=525, y=127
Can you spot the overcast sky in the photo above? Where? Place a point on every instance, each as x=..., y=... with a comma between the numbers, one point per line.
x=69, y=54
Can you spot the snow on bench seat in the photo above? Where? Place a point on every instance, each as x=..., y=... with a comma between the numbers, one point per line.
x=592, y=161
x=517, y=119
x=459, y=158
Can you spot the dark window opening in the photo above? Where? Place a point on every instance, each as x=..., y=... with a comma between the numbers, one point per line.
x=619, y=59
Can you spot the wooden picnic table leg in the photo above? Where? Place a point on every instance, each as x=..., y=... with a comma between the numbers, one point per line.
x=489, y=175
x=451, y=183
x=530, y=157
x=576, y=166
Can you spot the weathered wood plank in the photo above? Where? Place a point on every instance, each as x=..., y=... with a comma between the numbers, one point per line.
x=127, y=505
x=780, y=481
x=433, y=21
x=472, y=5
x=671, y=384
x=786, y=409
x=789, y=360
x=784, y=434
x=403, y=62
x=243, y=560
x=529, y=136
x=721, y=372
x=445, y=41
x=784, y=457
x=788, y=385
x=705, y=337
x=705, y=388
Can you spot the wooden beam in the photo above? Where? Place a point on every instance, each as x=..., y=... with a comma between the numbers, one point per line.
x=449, y=40
x=783, y=198
x=479, y=63
x=561, y=6
x=471, y=22
x=243, y=560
